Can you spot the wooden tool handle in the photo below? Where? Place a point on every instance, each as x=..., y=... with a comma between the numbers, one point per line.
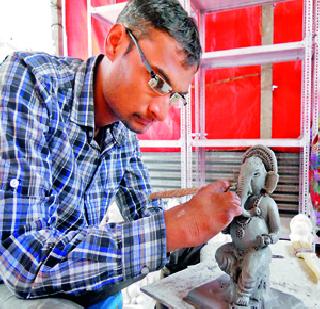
x=172, y=193
x=182, y=192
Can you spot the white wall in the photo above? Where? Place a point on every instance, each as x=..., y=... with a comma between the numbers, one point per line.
x=25, y=25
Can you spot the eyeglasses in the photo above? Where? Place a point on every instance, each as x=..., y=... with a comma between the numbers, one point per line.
x=157, y=82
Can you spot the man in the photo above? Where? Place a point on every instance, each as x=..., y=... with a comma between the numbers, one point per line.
x=68, y=150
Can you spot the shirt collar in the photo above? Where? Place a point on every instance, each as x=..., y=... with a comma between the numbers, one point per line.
x=118, y=132
x=82, y=111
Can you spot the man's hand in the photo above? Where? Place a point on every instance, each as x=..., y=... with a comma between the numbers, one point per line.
x=205, y=215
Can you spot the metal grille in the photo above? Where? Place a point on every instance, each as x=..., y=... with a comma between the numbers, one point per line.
x=165, y=172
x=164, y=169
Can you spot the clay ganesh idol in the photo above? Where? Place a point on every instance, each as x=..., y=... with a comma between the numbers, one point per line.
x=246, y=259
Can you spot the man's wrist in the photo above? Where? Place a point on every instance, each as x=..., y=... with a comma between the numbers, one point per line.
x=180, y=228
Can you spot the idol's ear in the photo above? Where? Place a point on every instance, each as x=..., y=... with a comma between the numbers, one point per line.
x=269, y=160
x=272, y=179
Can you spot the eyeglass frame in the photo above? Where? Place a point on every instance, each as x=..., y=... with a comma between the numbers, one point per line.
x=174, y=95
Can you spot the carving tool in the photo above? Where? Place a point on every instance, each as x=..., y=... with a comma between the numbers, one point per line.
x=176, y=193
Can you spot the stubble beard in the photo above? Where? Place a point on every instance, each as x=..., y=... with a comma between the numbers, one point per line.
x=133, y=128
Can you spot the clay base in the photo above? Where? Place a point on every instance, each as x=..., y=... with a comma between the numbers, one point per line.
x=217, y=294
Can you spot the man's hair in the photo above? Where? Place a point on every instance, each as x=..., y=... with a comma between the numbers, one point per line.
x=168, y=16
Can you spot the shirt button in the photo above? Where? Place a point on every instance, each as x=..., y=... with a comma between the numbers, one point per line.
x=144, y=270
x=14, y=183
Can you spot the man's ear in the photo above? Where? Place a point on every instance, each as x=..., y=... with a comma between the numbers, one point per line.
x=116, y=41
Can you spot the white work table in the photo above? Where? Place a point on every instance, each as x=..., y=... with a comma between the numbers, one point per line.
x=288, y=274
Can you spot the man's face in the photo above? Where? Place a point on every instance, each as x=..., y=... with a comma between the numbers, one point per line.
x=126, y=91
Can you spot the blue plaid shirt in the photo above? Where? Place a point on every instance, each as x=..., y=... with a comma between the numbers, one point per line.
x=57, y=182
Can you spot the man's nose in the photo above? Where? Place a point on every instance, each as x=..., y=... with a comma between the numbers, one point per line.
x=159, y=107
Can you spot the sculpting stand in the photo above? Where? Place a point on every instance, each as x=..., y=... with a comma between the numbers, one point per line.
x=288, y=275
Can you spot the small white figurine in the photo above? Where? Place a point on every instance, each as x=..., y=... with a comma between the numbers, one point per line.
x=301, y=232
x=302, y=241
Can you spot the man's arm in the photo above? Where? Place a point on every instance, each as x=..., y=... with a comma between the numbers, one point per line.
x=188, y=225
x=134, y=189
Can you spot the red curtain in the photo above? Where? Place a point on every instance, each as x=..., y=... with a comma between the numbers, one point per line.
x=233, y=94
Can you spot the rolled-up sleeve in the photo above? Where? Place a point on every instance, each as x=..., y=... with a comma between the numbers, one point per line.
x=144, y=245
